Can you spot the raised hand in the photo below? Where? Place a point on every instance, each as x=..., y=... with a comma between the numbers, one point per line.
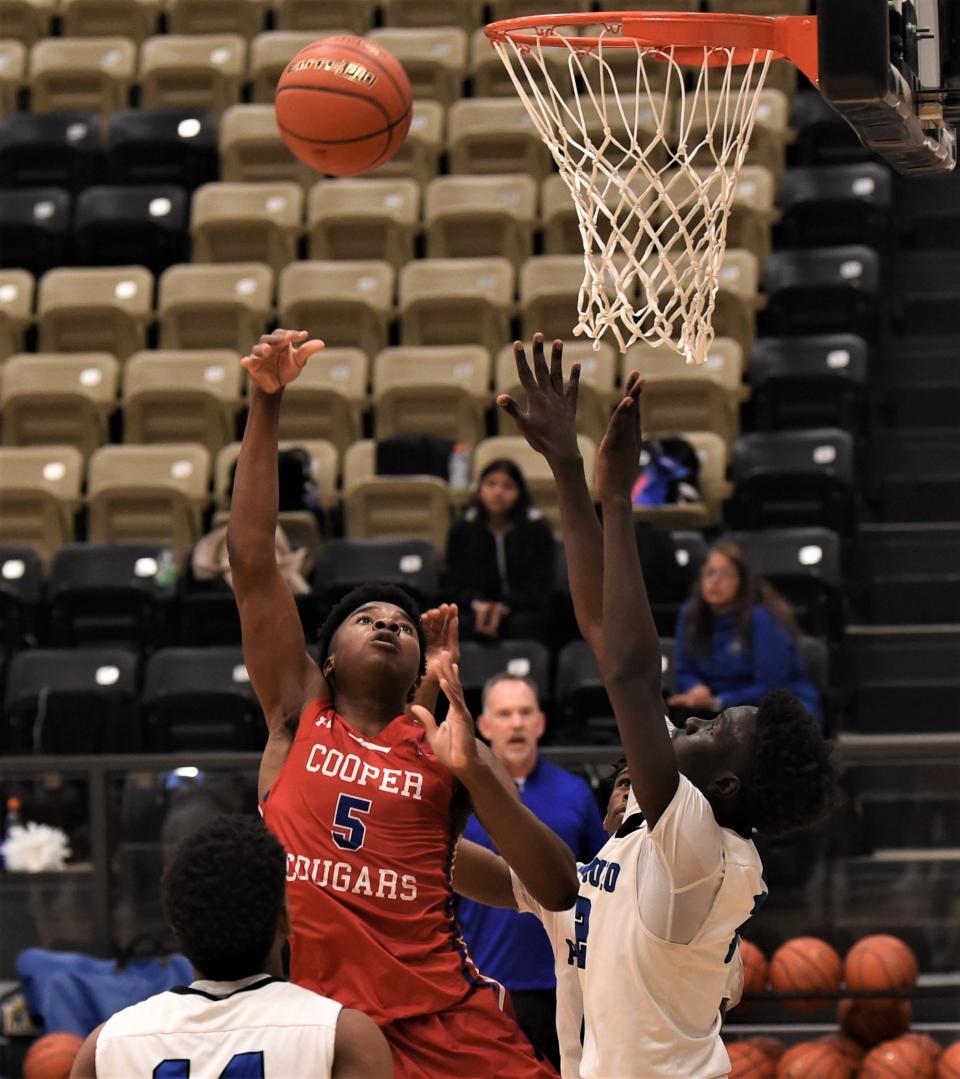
x=454, y=742
x=618, y=458
x=441, y=628
x=549, y=421
x=278, y=358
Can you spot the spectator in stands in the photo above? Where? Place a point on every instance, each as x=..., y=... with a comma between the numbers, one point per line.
x=500, y=559
x=504, y=944
x=736, y=639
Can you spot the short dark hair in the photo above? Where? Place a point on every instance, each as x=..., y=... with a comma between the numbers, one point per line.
x=223, y=892
x=793, y=781
x=506, y=676
x=371, y=593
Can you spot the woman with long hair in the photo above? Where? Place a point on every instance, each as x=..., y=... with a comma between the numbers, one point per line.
x=736, y=640
x=500, y=559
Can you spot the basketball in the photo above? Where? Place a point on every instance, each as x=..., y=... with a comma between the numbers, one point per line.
x=52, y=1056
x=805, y=964
x=880, y=962
x=851, y=1051
x=872, y=1021
x=749, y=1062
x=773, y=1047
x=904, y=1058
x=812, y=1060
x=755, y=970
x=928, y=1046
x=948, y=1067
x=343, y=105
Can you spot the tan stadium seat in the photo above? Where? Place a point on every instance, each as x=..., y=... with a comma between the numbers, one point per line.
x=180, y=396
x=363, y=218
x=16, y=306
x=713, y=455
x=135, y=19
x=549, y=287
x=81, y=73
x=13, y=72
x=341, y=16
x=246, y=223
x=494, y=135
x=682, y=396
x=243, y=17
x=95, y=310
x=620, y=65
x=534, y=467
x=760, y=7
x=456, y=301
x=270, y=53
x=637, y=116
x=344, y=303
x=26, y=21
x=770, y=131
x=148, y=494
x=216, y=306
x=419, y=156
x=430, y=13
x=477, y=216
x=328, y=398
x=416, y=507
x=648, y=5
x=434, y=58
x=439, y=390
x=489, y=73
x=598, y=372
x=203, y=71
x=40, y=494
x=511, y=9
x=252, y=151
x=59, y=399
x=561, y=224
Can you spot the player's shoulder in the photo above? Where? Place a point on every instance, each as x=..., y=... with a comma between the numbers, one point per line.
x=142, y=1016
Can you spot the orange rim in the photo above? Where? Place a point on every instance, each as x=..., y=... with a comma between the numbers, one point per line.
x=686, y=34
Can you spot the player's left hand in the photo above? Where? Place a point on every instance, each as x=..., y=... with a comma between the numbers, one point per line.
x=441, y=627
x=454, y=741
x=618, y=459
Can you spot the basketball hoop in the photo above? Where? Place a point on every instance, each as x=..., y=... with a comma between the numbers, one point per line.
x=651, y=157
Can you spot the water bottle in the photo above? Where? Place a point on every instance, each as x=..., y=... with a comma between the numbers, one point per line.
x=12, y=819
x=166, y=575
x=460, y=467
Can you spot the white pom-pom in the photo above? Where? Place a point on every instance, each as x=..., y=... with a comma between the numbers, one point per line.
x=35, y=848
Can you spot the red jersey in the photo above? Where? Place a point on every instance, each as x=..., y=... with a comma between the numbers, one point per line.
x=370, y=835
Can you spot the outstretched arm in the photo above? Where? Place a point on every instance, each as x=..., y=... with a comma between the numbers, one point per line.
x=360, y=1050
x=482, y=876
x=85, y=1062
x=541, y=860
x=549, y=424
x=631, y=660
x=274, y=650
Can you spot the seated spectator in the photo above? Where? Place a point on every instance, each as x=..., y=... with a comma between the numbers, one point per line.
x=736, y=639
x=500, y=559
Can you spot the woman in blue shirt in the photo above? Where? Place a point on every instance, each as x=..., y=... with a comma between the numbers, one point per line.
x=736, y=640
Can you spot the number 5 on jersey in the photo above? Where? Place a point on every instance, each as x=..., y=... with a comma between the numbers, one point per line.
x=349, y=829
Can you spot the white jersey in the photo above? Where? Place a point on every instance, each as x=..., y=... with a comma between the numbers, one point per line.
x=655, y=942
x=257, y=1028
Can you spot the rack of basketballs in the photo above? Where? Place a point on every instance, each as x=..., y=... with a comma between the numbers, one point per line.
x=873, y=1039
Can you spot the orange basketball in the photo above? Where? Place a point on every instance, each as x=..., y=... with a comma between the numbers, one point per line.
x=880, y=962
x=812, y=1060
x=802, y=964
x=929, y=1046
x=755, y=970
x=52, y=1056
x=873, y=1021
x=948, y=1066
x=343, y=105
x=851, y=1051
x=749, y=1062
x=903, y=1058
x=773, y=1047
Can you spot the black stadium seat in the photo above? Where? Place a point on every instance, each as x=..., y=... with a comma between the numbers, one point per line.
x=914, y=475
x=478, y=662
x=823, y=137
x=793, y=478
x=55, y=149
x=814, y=381
x=34, y=228
x=21, y=587
x=413, y=564
x=143, y=226
x=72, y=701
x=825, y=290
x=200, y=698
x=107, y=592
x=162, y=146
x=840, y=204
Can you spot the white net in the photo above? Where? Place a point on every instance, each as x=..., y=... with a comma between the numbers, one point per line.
x=650, y=149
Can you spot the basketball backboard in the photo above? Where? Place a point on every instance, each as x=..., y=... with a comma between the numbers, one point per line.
x=891, y=68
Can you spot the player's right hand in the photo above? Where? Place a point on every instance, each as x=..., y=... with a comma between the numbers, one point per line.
x=278, y=358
